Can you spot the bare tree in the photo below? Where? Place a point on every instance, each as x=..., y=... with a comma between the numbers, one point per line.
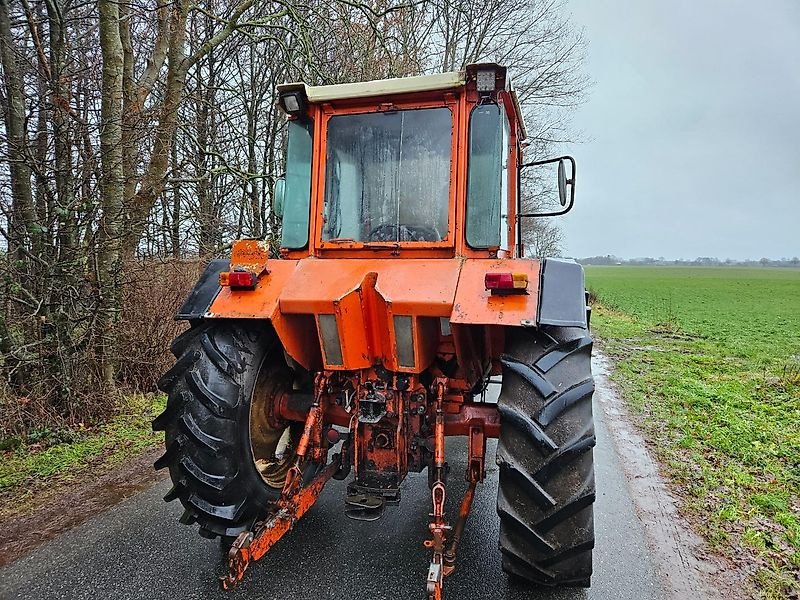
x=22, y=213
x=542, y=238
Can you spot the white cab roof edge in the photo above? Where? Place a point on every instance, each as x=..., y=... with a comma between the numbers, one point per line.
x=379, y=87
x=518, y=107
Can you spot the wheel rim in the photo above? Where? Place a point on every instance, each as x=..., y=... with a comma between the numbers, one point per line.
x=273, y=469
x=272, y=447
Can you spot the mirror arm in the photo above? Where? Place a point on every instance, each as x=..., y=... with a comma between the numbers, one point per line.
x=549, y=161
x=570, y=182
x=556, y=213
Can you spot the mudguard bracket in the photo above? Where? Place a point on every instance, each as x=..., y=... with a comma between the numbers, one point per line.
x=205, y=291
x=562, y=295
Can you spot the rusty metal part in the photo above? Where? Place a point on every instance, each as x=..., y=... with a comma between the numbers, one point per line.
x=458, y=530
x=404, y=411
x=252, y=545
x=294, y=500
x=250, y=255
x=461, y=421
x=458, y=416
x=384, y=429
x=311, y=442
x=438, y=452
x=476, y=470
x=438, y=527
x=443, y=561
x=475, y=473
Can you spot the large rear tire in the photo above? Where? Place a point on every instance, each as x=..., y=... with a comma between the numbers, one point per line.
x=547, y=490
x=219, y=442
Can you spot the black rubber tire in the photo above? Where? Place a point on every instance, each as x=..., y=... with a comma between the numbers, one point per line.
x=547, y=489
x=207, y=424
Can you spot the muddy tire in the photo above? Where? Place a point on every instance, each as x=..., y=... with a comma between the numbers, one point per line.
x=222, y=366
x=547, y=490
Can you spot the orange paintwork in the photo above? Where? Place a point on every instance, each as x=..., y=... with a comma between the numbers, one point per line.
x=364, y=287
x=366, y=295
x=251, y=546
x=317, y=284
x=485, y=308
x=261, y=302
x=250, y=255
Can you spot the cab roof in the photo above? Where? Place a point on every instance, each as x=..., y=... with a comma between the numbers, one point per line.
x=398, y=85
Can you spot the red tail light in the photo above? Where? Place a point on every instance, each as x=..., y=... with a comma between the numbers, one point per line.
x=508, y=283
x=246, y=280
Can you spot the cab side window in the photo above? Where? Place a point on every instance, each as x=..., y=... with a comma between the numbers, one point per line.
x=297, y=195
x=487, y=178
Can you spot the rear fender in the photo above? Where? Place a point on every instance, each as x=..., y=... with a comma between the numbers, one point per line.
x=562, y=294
x=555, y=294
x=479, y=320
x=205, y=291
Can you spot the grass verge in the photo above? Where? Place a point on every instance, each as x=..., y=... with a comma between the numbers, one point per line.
x=50, y=458
x=709, y=363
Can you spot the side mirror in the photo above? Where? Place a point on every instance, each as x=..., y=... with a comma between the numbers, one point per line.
x=566, y=186
x=277, y=196
x=562, y=183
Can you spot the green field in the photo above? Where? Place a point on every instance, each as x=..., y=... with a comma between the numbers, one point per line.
x=709, y=360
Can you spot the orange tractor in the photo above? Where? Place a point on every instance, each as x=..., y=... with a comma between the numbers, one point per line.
x=399, y=292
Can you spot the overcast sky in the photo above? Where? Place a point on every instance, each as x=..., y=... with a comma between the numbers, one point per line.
x=691, y=130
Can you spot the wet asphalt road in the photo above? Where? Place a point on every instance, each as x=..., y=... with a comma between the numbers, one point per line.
x=138, y=550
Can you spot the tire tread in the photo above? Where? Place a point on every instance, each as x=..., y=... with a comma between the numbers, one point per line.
x=217, y=364
x=547, y=489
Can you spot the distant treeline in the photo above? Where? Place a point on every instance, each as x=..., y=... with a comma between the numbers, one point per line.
x=701, y=261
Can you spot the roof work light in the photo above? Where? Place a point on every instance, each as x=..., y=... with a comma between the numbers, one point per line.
x=485, y=80
x=293, y=103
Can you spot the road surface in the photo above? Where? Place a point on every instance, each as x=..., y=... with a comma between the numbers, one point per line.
x=138, y=550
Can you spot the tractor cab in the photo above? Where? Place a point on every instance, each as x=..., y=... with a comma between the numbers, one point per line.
x=422, y=166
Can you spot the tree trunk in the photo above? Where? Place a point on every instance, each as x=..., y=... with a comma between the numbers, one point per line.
x=23, y=219
x=152, y=182
x=253, y=106
x=112, y=184
x=207, y=209
x=173, y=218
x=60, y=99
